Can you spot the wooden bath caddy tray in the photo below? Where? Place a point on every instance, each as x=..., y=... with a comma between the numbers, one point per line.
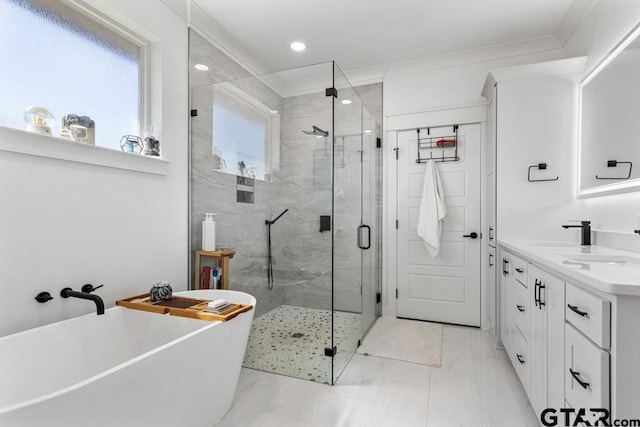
x=182, y=306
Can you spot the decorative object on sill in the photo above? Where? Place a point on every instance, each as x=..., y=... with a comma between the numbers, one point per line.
x=613, y=164
x=151, y=143
x=218, y=162
x=78, y=128
x=539, y=166
x=448, y=144
x=131, y=144
x=151, y=147
x=36, y=119
x=637, y=232
x=160, y=291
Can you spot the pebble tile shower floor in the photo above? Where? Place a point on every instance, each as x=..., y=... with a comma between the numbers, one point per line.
x=291, y=341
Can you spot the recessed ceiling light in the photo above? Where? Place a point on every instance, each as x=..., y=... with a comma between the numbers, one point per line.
x=298, y=46
x=273, y=111
x=367, y=131
x=201, y=67
x=346, y=101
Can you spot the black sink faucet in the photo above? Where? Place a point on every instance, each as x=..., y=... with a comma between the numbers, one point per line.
x=586, y=231
x=85, y=294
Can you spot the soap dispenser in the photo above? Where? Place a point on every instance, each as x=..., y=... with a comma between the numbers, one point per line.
x=209, y=233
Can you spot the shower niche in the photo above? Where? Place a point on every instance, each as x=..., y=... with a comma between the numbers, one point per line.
x=312, y=153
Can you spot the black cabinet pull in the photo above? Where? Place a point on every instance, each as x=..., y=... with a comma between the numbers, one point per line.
x=505, y=269
x=520, y=358
x=519, y=270
x=536, y=295
x=490, y=258
x=574, y=308
x=576, y=376
x=520, y=308
x=490, y=233
x=540, y=302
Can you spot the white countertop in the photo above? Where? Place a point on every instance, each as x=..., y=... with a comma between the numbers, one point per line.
x=572, y=261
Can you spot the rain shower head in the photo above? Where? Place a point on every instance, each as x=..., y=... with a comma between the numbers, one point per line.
x=316, y=132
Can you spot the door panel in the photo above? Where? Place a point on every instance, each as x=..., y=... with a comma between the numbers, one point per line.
x=445, y=288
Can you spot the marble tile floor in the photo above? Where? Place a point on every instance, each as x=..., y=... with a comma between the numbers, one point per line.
x=475, y=387
x=290, y=340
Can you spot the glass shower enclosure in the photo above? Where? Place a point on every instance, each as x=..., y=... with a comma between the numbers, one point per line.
x=287, y=161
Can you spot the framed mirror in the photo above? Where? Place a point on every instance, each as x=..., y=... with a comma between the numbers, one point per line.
x=609, y=122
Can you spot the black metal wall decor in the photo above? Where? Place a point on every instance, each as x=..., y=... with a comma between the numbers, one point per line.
x=448, y=145
x=539, y=166
x=613, y=164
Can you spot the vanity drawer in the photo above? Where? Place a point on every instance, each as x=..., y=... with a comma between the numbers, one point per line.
x=522, y=312
x=522, y=361
x=586, y=377
x=590, y=314
x=520, y=270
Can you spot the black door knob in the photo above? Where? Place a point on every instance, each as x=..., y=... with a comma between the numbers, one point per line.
x=473, y=235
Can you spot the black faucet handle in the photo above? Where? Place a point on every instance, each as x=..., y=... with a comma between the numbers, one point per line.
x=583, y=222
x=88, y=288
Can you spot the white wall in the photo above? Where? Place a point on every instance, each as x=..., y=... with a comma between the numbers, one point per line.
x=536, y=124
x=66, y=224
x=607, y=22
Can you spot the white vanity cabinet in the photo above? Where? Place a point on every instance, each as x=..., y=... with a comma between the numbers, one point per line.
x=507, y=297
x=573, y=339
x=532, y=310
x=587, y=339
x=547, y=340
x=514, y=314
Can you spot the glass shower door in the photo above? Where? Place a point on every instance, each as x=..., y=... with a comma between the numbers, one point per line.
x=347, y=221
x=354, y=209
x=370, y=135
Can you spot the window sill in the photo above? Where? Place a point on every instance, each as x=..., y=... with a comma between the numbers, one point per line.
x=33, y=144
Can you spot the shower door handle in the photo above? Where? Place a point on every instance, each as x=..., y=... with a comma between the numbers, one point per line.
x=360, y=227
x=368, y=237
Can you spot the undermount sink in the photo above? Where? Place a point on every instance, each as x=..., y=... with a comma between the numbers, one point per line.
x=554, y=244
x=606, y=259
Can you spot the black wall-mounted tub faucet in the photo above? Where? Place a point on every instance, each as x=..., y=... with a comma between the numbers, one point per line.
x=85, y=294
x=586, y=231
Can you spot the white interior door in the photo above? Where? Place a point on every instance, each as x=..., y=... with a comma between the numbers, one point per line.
x=445, y=288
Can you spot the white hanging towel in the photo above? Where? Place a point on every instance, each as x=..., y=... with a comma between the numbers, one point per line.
x=432, y=209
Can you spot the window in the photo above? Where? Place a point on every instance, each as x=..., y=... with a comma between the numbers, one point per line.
x=55, y=57
x=245, y=132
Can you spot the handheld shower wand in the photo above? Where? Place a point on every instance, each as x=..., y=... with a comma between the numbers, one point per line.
x=269, y=223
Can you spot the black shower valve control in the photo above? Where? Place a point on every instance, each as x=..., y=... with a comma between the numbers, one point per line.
x=325, y=223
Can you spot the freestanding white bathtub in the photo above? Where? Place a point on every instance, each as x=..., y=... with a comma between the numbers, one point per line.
x=124, y=368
